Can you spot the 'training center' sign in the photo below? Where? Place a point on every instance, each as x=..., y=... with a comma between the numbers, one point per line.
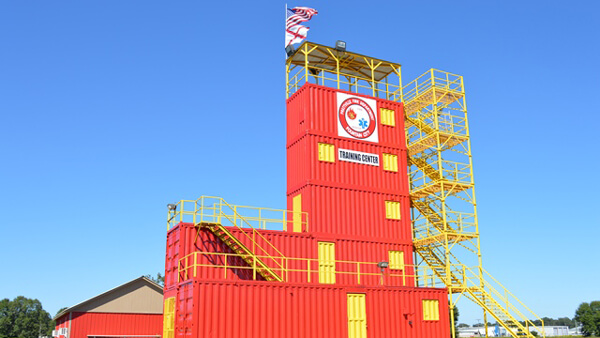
x=358, y=157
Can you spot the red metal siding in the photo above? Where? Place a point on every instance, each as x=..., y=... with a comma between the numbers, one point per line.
x=181, y=240
x=298, y=247
x=84, y=324
x=305, y=168
x=345, y=203
x=251, y=309
x=345, y=198
x=312, y=109
x=354, y=213
x=395, y=309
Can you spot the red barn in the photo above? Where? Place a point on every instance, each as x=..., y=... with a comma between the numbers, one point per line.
x=131, y=309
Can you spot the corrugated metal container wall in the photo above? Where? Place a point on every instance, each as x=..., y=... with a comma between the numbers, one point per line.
x=354, y=213
x=312, y=109
x=226, y=310
x=247, y=309
x=180, y=242
x=297, y=248
x=304, y=167
x=213, y=266
x=84, y=324
x=343, y=197
x=373, y=252
x=401, y=307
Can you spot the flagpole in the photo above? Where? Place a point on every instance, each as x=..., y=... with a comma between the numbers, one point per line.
x=285, y=22
x=285, y=28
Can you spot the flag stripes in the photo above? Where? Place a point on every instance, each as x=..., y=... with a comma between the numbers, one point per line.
x=294, y=31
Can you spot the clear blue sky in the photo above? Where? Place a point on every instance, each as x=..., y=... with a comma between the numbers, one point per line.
x=112, y=109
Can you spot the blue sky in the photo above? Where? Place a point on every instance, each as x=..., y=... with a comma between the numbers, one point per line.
x=112, y=109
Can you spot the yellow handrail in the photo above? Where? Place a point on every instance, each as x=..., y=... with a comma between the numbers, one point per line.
x=433, y=78
x=215, y=210
x=342, y=267
x=253, y=239
x=276, y=219
x=474, y=281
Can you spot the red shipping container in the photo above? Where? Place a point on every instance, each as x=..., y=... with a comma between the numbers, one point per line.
x=217, y=261
x=312, y=110
x=347, y=177
x=304, y=167
x=254, y=309
x=355, y=213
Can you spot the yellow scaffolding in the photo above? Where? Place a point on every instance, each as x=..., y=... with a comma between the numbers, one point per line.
x=445, y=228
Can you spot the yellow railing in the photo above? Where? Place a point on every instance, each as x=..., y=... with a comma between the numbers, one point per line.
x=500, y=301
x=326, y=66
x=448, y=122
x=502, y=298
x=210, y=209
x=459, y=222
x=357, y=85
x=451, y=171
x=433, y=78
x=214, y=210
x=306, y=270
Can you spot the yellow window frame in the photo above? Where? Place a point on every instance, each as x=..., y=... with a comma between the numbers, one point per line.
x=388, y=117
x=431, y=309
x=326, y=152
x=392, y=210
x=390, y=162
x=396, y=259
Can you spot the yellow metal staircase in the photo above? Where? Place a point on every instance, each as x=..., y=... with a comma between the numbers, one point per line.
x=215, y=215
x=441, y=179
x=245, y=253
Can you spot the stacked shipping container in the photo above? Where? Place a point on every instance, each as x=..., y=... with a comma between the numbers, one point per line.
x=347, y=169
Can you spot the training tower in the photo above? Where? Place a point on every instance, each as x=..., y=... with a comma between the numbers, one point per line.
x=380, y=225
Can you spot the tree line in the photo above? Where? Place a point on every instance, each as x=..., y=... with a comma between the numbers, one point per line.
x=24, y=318
x=587, y=316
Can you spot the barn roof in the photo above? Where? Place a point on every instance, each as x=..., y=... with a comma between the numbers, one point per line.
x=140, y=295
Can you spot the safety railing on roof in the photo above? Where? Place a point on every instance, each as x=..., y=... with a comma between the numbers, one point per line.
x=434, y=78
x=341, y=69
x=324, y=77
x=212, y=209
x=209, y=210
x=308, y=270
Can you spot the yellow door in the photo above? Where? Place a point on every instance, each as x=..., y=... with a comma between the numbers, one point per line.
x=326, y=262
x=297, y=210
x=357, y=316
x=169, y=318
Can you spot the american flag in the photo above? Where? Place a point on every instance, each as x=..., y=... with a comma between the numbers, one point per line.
x=294, y=31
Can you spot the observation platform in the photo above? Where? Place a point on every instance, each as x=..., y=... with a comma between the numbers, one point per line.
x=342, y=69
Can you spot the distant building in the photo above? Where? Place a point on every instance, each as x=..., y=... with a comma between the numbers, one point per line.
x=576, y=331
x=132, y=309
x=550, y=331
